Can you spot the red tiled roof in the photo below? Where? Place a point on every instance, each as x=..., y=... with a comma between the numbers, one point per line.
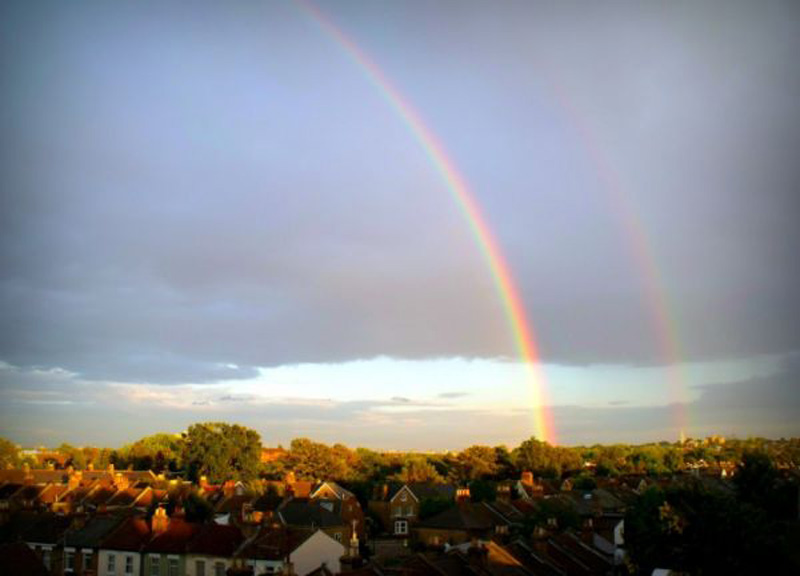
x=174, y=539
x=131, y=535
x=216, y=540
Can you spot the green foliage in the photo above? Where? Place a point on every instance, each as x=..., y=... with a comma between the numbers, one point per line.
x=477, y=462
x=700, y=531
x=314, y=460
x=222, y=452
x=9, y=454
x=73, y=456
x=418, y=469
x=545, y=460
x=584, y=482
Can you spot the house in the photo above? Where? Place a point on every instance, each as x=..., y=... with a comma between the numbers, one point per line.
x=324, y=515
x=456, y=525
x=119, y=554
x=210, y=552
x=398, y=507
x=277, y=548
x=17, y=558
x=44, y=536
x=165, y=553
x=348, y=506
x=81, y=544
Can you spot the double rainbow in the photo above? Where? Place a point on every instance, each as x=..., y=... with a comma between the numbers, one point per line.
x=514, y=309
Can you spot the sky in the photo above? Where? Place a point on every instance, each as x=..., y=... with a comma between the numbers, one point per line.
x=212, y=212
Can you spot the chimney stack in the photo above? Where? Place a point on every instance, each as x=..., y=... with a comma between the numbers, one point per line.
x=160, y=521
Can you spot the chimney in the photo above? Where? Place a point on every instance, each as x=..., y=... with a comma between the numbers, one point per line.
x=160, y=521
x=74, y=480
x=504, y=493
x=121, y=481
x=540, y=537
x=527, y=478
x=385, y=492
x=352, y=559
x=587, y=531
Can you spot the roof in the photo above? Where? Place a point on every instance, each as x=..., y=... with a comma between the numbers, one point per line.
x=126, y=497
x=465, y=516
x=307, y=514
x=338, y=491
x=48, y=529
x=321, y=571
x=426, y=490
x=233, y=504
x=93, y=532
x=99, y=496
x=274, y=542
x=8, y=489
x=18, y=558
x=216, y=540
x=174, y=539
x=130, y=535
x=498, y=561
x=536, y=562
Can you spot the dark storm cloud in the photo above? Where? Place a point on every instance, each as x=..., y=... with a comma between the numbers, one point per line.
x=186, y=196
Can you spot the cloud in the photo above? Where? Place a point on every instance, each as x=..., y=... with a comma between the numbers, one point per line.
x=115, y=413
x=452, y=395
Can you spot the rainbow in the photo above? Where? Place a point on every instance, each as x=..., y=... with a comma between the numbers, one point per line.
x=642, y=253
x=456, y=184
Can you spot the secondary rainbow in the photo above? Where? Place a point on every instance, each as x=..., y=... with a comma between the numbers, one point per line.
x=637, y=240
x=456, y=184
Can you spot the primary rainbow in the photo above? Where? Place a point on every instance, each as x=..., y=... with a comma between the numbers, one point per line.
x=524, y=339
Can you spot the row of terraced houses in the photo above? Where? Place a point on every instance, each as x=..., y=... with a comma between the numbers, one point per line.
x=137, y=523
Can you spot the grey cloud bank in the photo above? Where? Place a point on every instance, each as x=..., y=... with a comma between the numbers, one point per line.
x=188, y=195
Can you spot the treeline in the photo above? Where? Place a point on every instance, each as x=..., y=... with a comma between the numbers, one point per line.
x=221, y=451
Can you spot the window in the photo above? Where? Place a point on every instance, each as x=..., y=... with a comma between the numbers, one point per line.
x=200, y=568
x=111, y=567
x=219, y=569
x=337, y=536
x=155, y=565
x=401, y=527
x=87, y=560
x=128, y=564
x=69, y=560
x=409, y=510
x=403, y=497
x=173, y=567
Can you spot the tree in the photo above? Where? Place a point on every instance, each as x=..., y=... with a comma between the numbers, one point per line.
x=418, y=469
x=222, y=452
x=9, y=454
x=309, y=459
x=73, y=456
x=477, y=462
x=699, y=531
